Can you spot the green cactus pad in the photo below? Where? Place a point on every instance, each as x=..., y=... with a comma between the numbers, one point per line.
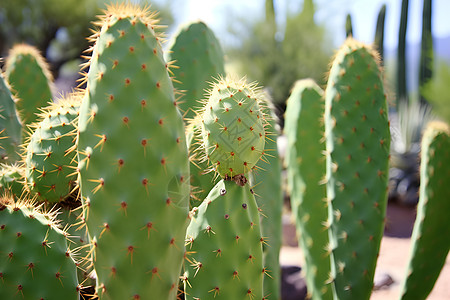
x=357, y=147
x=267, y=187
x=224, y=246
x=305, y=162
x=10, y=127
x=51, y=159
x=30, y=80
x=35, y=262
x=133, y=161
x=431, y=231
x=233, y=127
x=11, y=179
x=199, y=58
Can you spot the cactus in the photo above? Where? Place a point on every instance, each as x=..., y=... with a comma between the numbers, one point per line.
x=426, y=49
x=30, y=80
x=133, y=160
x=267, y=187
x=233, y=127
x=35, y=261
x=199, y=59
x=431, y=229
x=348, y=26
x=224, y=246
x=402, y=91
x=357, y=148
x=305, y=164
x=50, y=156
x=203, y=179
x=11, y=179
x=10, y=127
x=379, y=33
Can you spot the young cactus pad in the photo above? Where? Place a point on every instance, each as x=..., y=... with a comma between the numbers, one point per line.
x=133, y=161
x=50, y=157
x=224, y=246
x=35, y=261
x=432, y=227
x=199, y=58
x=30, y=80
x=233, y=127
x=357, y=147
x=305, y=163
x=10, y=127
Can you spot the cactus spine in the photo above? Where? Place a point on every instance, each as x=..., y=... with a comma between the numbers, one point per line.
x=10, y=127
x=305, y=163
x=431, y=229
x=35, y=261
x=357, y=147
x=11, y=177
x=133, y=160
x=30, y=80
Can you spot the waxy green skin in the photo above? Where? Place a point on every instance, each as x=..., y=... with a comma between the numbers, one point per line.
x=30, y=82
x=199, y=59
x=267, y=186
x=10, y=126
x=306, y=166
x=431, y=229
x=35, y=262
x=133, y=165
x=51, y=159
x=357, y=147
x=233, y=130
x=224, y=249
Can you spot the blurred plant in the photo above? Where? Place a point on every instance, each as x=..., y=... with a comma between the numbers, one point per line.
x=278, y=61
x=348, y=26
x=426, y=51
x=437, y=92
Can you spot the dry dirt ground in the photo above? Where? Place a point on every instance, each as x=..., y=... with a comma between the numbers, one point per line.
x=394, y=254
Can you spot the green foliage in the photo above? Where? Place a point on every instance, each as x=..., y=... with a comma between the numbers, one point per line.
x=277, y=63
x=437, y=92
x=348, y=26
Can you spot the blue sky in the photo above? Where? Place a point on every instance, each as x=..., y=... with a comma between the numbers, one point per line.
x=218, y=13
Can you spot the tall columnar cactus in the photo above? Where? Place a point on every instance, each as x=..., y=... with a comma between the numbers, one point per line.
x=357, y=147
x=133, y=161
x=224, y=246
x=30, y=80
x=11, y=179
x=305, y=162
x=402, y=90
x=379, y=32
x=224, y=242
x=348, y=26
x=199, y=59
x=426, y=49
x=50, y=157
x=10, y=127
x=431, y=229
x=35, y=261
x=267, y=186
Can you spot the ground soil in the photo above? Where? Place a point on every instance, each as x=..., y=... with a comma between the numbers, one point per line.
x=394, y=253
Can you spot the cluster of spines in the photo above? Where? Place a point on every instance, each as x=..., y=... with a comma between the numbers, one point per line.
x=49, y=152
x=357, y=151
x=12, y=179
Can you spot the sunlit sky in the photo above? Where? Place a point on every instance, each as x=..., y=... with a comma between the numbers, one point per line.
x=332, y=13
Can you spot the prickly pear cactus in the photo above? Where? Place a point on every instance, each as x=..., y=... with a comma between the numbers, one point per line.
x=199, y=58
x=35, y=261
x=50, y=158
x=133, y=161
x=224, y=246
x=305, y=163
x=432, y=228
x=233, y=127
x=10, y=127
x=30, y=80
x=11, y=179
x=267, y=187
x=357, y=148
x=203, y=178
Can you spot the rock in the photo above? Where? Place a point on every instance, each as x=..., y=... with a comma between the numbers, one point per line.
x=293, y=285
x=382, y=280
